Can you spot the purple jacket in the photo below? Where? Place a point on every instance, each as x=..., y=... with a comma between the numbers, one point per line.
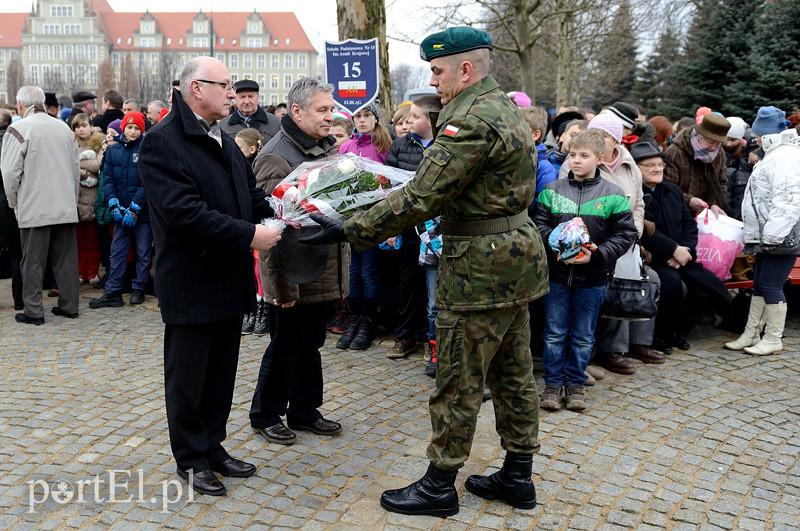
x=361, y=144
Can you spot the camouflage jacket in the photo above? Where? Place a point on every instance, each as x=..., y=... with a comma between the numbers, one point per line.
x=482, y=165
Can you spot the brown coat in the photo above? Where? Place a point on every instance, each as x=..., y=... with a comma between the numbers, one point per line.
x=90, y=170
x=709, y=182
x=271, y=167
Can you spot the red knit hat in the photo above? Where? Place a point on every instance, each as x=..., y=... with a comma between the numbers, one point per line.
x=135, y=118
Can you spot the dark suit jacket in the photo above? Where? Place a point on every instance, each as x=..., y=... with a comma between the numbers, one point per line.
x=203, y=204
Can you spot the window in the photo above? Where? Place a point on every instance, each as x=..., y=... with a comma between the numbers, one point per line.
x=56, y=73
x=93, y=75
x=147, y=42
x=154, y=61
x=148, y=27
x=46, y=75
x=33, y=52
x=3, y=95
x=221, y=57
x=140, y=61
x=72, y=29
x=273, y=81
x=115, y=60
x=288, y=41
x=60, y=11
x=80, y=74
x=92, y=52
x=287, y=81
x=301, y=61
x=287, y=60
x=248, y=61
x=2, y=80
x=254, y=28
x=274, y=61
x=234, y=60
x=80, y=52
x=273, y=99
x=254, y=42
x=68, y=75
x=51, y=29
x=200, y=27
x=262, y=81
x=261, y=61
x=56, y=52
x=68, y=52
x=200, y=42
x=34, y=75
x=234, y=78
x=2, y=57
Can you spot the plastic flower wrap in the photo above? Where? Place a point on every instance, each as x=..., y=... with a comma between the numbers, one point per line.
x=337, y=188
x=570, y=239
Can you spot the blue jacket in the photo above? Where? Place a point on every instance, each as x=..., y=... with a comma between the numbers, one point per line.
x=121, y=175
x=545, y=172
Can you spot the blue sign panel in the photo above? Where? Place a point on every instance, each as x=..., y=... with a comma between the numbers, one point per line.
x=352, y=69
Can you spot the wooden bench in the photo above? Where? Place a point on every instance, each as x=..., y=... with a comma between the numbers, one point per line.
x=793, y=279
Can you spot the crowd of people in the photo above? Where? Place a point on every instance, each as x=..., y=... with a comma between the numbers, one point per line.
x=104, y=196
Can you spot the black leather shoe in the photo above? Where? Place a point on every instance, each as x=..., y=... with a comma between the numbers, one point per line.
x=107, y=301
x=434, y=495
x=278, y=434
x=137, y=296
x=511, y=484
x=24, y=319
x=58, y=311
x=234, y=468
x=681, y=343
x=204, y=482
x=661, y=345
x=320, y=426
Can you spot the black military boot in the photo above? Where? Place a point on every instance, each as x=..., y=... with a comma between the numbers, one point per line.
x=366, y=326
x=261, y=323
x=511, y=484
x=350, y=331
x=434, y=495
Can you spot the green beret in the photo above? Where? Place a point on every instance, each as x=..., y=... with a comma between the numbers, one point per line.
x=452, y=41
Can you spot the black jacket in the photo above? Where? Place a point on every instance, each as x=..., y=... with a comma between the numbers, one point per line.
x=267, y=124
x=203, y=205
x=406, y=153
x=103, y=120
x=607, y=214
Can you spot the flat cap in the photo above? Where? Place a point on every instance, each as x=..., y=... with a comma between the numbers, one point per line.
x=452, y=41
x=245, y=84
x=50, y=99
x=83, y=95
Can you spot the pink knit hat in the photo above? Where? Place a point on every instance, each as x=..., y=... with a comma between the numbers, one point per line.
x=608, y=122
x=520, y=98
x=699, y=113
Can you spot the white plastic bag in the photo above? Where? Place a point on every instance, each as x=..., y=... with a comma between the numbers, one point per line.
x=720, y=239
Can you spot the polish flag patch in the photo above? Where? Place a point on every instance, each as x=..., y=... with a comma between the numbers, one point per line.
x=451, y=130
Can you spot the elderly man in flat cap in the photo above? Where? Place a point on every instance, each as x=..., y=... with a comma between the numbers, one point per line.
x=479, y=174
x=249, y=113
x=83, y=101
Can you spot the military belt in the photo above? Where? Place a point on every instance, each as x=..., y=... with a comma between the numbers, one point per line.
x=480, y=227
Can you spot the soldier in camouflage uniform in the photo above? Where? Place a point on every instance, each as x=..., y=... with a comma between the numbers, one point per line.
x=479, y=174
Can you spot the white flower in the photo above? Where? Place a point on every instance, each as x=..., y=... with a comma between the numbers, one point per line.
x=346, y=166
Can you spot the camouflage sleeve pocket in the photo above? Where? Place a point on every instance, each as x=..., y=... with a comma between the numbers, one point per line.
x=432, y=167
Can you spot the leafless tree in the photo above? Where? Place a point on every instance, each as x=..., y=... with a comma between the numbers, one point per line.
x=15, y=78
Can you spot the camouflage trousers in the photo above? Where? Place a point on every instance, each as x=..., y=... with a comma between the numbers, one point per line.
x=490, y=346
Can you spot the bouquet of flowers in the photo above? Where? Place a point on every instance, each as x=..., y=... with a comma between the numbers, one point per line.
x=337, y=188
x=571, y=239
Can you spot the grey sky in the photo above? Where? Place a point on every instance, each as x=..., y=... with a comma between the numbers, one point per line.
x=318, y=17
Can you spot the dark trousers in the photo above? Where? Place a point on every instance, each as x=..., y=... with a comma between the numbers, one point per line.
x=409, y=287
x=15, y=259
x=770, y=275
x=199, y=374
x=291, y=369
x=56, y=245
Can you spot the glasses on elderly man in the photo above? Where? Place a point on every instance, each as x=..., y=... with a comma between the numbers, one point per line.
x=227, y=85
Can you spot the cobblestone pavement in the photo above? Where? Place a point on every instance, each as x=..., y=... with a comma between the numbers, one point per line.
x=709, y=440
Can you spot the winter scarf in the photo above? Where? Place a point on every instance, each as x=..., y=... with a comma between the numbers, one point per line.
x=613, y=165
x=702, y=154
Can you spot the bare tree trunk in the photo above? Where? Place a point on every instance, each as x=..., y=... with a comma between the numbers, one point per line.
x=15, y=78
x=105, y=77
x=564, y=59
x=525, y=51
x=366, y=19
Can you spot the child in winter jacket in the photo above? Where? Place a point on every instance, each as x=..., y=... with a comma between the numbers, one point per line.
x=536, y=117
x=90, y=145
x=371, y=140
x=578, y=285
x=126, y=201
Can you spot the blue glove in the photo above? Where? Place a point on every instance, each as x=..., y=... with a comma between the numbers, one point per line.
x=552, y=240
x=116, y=211
x=131, y=215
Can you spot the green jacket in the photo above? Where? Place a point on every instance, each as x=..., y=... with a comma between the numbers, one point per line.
x=482, y=165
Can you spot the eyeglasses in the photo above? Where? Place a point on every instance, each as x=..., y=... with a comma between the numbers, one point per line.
x=653, y=166
x=227, y=85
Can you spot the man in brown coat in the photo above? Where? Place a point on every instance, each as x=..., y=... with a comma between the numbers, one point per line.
x=291, y=369
x=696, y=163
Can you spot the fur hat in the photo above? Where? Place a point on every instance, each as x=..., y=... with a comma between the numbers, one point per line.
x=560, y=122
x=135, y=118
x=608, y=122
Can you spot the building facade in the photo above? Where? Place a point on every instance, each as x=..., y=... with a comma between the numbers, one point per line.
x=68, y=45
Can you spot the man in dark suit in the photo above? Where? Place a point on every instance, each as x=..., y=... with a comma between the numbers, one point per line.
x=204, y=210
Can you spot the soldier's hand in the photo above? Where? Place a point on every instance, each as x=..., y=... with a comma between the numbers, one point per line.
x=331, y=232
x=265, y=238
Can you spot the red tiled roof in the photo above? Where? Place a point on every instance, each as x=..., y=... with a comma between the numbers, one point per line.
x=11, y=29
x=175, y=26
